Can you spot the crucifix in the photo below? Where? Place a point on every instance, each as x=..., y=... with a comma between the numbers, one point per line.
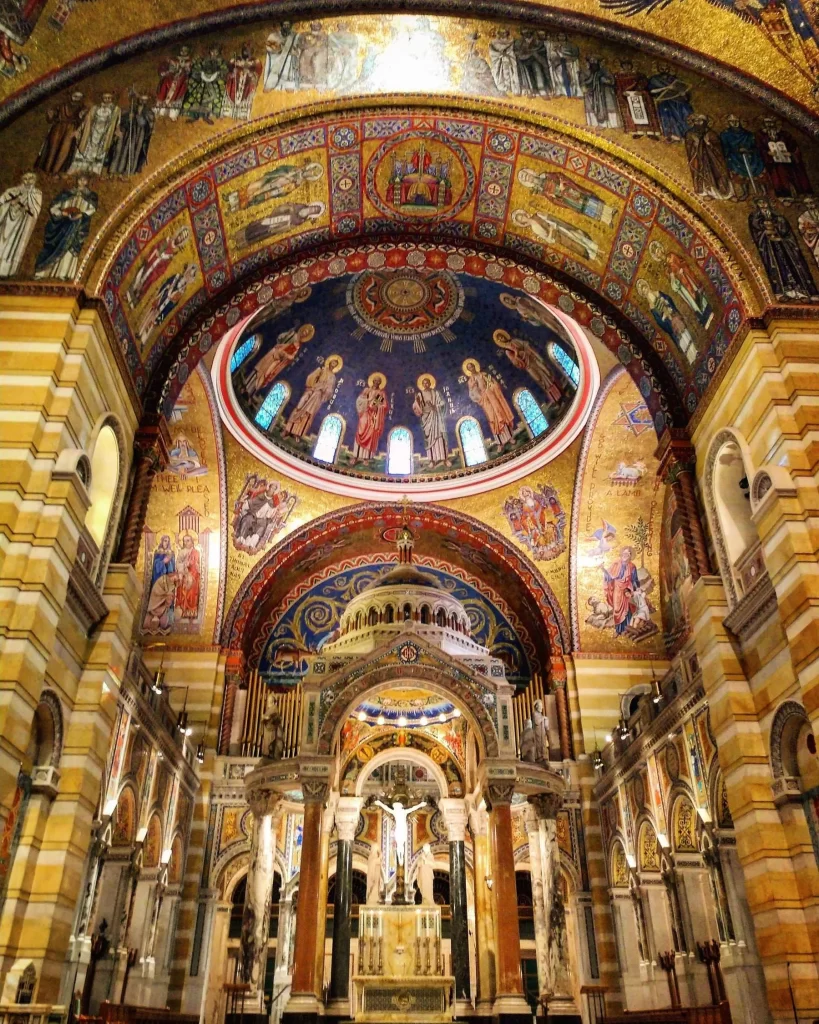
x=400, y=815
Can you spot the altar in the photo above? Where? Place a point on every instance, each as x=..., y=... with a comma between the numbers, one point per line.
x=400, y=967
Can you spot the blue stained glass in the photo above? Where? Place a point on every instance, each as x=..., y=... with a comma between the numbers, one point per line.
x=274, y=400
x=399, y=452
x=242, y=352
x=472, y=442
x=328, y=439
x=565, y=362
x=531, y=411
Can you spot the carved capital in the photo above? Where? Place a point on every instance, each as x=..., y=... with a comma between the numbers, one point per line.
x=455, y=815
x=264, y=802
x=152, y=443
x=677, y=456
x=315, y=791
x=348, y=813
x=498, y=793
x=546, y=805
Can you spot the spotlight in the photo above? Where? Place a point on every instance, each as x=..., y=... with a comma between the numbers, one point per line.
x=457, y=713
x=442, y=717
x=380, y=720
x=423, y=719
x=362, y=716
x=402, y=721
x=200, y=753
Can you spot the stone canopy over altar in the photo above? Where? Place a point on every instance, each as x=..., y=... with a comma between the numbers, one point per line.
x=405, y=641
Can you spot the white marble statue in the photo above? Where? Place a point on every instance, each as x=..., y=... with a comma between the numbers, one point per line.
x=374, y=875
x=400, y=832
x=426, y=875
x=540, y=724
x=527, y=742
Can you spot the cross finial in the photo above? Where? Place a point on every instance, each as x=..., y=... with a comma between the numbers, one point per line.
x=405, y=539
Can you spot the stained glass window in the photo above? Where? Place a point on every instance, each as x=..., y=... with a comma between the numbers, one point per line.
x=531, y=412
x=243, y=351
x=274, y=400
x=471, y=441
x=399, y=452
x=559, y=355
x=329, y=438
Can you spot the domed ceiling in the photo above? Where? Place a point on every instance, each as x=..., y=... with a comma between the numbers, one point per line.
x=399, y=377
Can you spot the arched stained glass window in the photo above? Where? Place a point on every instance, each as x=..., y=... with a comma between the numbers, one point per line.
x=399, y=452
x=273, y=402
x=471, y=438
x=559, y=355
x=531, y=412
x=329, y=438
x=243, y=351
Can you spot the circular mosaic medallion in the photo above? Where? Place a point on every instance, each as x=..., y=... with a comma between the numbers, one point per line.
x=405, y=304
x=420, y=175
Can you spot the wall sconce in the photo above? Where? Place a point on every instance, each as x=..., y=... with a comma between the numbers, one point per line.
x=489, y=882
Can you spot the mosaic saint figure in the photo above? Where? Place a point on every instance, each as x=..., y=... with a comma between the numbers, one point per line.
x=159, y=610
x=279, y=60
x=531, y=310
x=637, y=110
x=205, y=95
x=779, y=250
x=66, y=230
x=685, y=285
x=20, y=207
x=564, y=61
x=154, y=265
x=706, y=160
x=742, y=157
x=430, y=406
x=533, y=63
x=524, y=356
x=129, y=153
x=188, y=579
x=96, y=137
x=672, y=98
x=287, y=347
x=808, y=224
x=244, y=72
x=371, y=406
x=620, y=583
x=555, y=231
x=783, y=161
x=669, y=319
x=259, y=512
x=59, y=146
x=174, y=75
x=319, y=388
x=166, y=300
x=274, y=184
x=599, y=95
x=504, y=64
x=485, y=391
x=477, y=77
x=324, y=60
x=563, y=191
x=285, y=217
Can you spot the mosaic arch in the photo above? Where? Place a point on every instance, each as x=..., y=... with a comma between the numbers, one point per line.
x=418, y=380
x=463, y=542
x=307, y=617
x=657, y=273
x=779, y=53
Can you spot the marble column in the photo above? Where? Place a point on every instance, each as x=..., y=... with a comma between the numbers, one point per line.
x=454, y=812
x=510, y=1007
x=536, y=858
x=484, y=912
x=347, y=815
x=266, y=806
x=303, y=1003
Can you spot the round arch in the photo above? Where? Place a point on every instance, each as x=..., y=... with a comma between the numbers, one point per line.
x=456, y=690
x=324, y=540
x=229, y=294
x=417, y=757
x=106, y=490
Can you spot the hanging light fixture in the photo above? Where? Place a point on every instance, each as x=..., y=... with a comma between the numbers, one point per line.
x=200, y=753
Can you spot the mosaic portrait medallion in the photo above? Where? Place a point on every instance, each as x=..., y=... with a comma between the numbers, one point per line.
x=420, y=175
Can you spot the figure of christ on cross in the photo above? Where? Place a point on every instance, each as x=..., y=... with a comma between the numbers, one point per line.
x=401, y=815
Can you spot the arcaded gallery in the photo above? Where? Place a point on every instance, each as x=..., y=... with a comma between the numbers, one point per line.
x=409, y=512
